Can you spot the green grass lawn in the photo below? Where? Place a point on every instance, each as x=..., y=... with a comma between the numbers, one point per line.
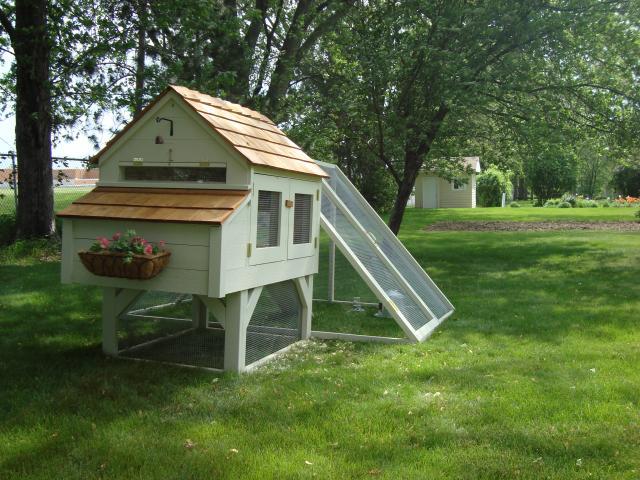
x=535, y=376
x=62, y=197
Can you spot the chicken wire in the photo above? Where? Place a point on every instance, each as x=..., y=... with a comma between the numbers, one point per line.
x=275, y=322
x=348, y=285
x=369, y=227
x=158, y=326
x=388, y=243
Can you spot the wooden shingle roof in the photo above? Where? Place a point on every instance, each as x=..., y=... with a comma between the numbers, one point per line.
x=250, y=133
x=157, y=204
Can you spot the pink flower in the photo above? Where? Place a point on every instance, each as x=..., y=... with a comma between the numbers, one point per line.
x=104, y=243
x=148, y=249
x=116, y=236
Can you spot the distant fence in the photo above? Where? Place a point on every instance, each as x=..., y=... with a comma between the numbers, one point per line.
x=71, y=178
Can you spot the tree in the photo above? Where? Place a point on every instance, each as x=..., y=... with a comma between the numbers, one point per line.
x=26, y=27
x=60, y=77
x=551, y=173
x=441, y=72
x=246, y=52
x=595, y=166
x=626, y=179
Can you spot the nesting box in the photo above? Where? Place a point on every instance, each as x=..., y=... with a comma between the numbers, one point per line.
x=237, y=203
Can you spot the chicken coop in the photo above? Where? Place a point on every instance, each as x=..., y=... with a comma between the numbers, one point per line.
x=237, y=207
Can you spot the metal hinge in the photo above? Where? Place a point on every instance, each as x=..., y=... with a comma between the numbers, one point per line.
x=318, y=194
x=288, y=203
x=315, y=242
x=248, y=249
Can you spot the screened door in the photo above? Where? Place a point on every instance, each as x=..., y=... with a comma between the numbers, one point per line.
x=269, y=220
x=303, y=219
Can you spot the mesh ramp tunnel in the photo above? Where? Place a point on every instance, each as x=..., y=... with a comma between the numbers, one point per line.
x=393, y=275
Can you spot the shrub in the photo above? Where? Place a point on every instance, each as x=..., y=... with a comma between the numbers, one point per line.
x=491, y=184
x=564, y=205
x=569, y=198
x=606, y=204
x=514, y=205
x=581, y=203
x=638, y=215
x=552, y=203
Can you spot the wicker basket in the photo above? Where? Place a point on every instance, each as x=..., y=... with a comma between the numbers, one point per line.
x=112, y=264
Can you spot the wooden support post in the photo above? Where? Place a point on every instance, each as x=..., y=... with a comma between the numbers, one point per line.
x=109, y=321
x=199, y=313
x=235, y=331
x=331, y=287
x=114, y=302
x=332, y=272
x=304, y=285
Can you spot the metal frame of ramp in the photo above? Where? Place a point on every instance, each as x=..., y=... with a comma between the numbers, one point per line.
x=392, y=274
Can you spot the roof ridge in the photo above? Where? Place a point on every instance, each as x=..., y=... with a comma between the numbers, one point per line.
x=230, y=106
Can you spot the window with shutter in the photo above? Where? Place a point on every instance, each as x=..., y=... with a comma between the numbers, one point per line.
x=302, y=208
x=268, y=228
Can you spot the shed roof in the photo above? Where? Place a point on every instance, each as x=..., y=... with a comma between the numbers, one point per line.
x=157, y=204
x=473, y=162
x=250, y=133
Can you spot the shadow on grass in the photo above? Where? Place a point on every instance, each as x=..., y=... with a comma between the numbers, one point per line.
x=518, y=298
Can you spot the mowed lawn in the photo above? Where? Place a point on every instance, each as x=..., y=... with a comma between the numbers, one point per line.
x=536, y=375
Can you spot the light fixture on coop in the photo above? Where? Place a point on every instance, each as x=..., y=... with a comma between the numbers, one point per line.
x=227, y=213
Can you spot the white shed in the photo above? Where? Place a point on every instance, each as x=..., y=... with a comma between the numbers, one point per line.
x=433, y=191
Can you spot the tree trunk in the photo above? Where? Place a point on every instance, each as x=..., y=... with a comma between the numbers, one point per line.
x=33, y=119
x=413, y=163
x=416, y=150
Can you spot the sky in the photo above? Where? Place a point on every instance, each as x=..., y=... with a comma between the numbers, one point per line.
x=81, y=147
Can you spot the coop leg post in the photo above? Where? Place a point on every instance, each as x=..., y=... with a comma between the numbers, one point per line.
x=332, y=272
x=304, y=286
x=114, y=302
x=235, y=331
x=109, y=321
x=199, y=313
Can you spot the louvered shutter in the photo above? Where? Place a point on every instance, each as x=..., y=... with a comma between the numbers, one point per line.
x=268, y=228
x=303, y=205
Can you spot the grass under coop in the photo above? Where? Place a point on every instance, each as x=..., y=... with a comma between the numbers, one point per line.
x=535, y=376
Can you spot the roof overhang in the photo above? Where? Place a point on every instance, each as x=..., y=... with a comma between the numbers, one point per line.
x=174, y=205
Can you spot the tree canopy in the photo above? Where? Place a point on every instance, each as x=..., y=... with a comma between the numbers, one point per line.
x=383, y=88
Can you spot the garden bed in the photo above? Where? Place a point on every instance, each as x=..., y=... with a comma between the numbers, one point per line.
x=507, y=226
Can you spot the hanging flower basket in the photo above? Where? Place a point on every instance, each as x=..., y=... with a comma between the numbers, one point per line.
x=128, y=256
x=111, y=264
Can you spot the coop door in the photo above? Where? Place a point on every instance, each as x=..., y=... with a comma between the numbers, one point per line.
x=303, y=219
x=269, y=220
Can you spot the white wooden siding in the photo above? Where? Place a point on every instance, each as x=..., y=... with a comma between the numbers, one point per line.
x=193, y=143
x=189, y=244
x=450, y=198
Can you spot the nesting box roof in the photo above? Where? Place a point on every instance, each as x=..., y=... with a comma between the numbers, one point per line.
x=250, y=133
x=157, y=204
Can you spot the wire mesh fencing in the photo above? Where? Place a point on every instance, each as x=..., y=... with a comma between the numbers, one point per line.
x=275, y=323
x=71, y=178
x=160, y=327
